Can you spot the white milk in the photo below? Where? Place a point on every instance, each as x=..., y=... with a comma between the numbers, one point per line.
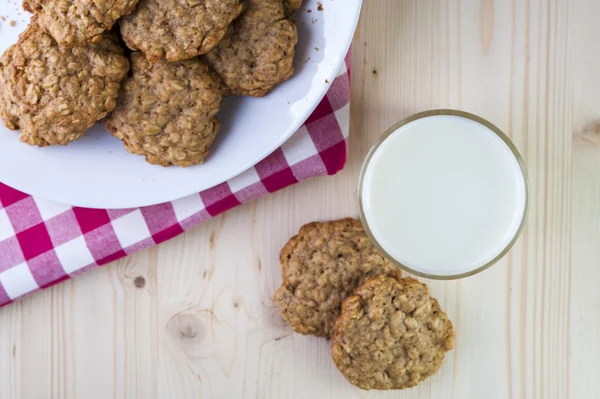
x=444, y=195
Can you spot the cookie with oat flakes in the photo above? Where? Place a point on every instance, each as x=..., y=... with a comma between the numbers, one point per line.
x=55, y=93
x=257, y=53
x=78, y=22
x=166, y=111
x=321, y=266
x=178, y=29
x=390, y=335
x=291, y=6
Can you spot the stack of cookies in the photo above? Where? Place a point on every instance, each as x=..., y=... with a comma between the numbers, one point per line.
x=69, y=70
x=386, y=331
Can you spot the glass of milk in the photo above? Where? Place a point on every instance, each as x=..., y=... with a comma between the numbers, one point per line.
x=444, y=194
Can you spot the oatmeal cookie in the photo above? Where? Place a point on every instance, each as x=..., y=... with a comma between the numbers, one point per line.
x=291, y=6
x=391, y=335
x=321, y=266
x=178, y=29
x=53, y=93
x=78, y=22
x=166, y=111
x=257, y=53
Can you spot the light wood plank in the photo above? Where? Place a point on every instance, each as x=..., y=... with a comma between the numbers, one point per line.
x=202, y=323
x=584, y=345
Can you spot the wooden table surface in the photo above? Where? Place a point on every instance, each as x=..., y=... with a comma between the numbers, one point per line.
x=200, y=322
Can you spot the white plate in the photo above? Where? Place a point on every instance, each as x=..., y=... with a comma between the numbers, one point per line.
x=97, y=172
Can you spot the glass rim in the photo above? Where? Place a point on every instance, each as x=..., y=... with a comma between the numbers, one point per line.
x=444, y=112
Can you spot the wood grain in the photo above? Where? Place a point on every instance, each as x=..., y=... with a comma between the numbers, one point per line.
x=193, y=318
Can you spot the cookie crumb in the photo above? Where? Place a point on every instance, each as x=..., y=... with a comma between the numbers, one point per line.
x=3, y=18
x=327, y=81
x=12, y=23
x=319, y=6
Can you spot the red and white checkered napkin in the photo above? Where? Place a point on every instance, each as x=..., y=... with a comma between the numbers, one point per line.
x=43, y=243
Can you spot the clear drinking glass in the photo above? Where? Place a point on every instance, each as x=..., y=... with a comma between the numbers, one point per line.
x=416, y=117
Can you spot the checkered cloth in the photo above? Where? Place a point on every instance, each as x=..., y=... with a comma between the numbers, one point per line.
x=43, y=243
